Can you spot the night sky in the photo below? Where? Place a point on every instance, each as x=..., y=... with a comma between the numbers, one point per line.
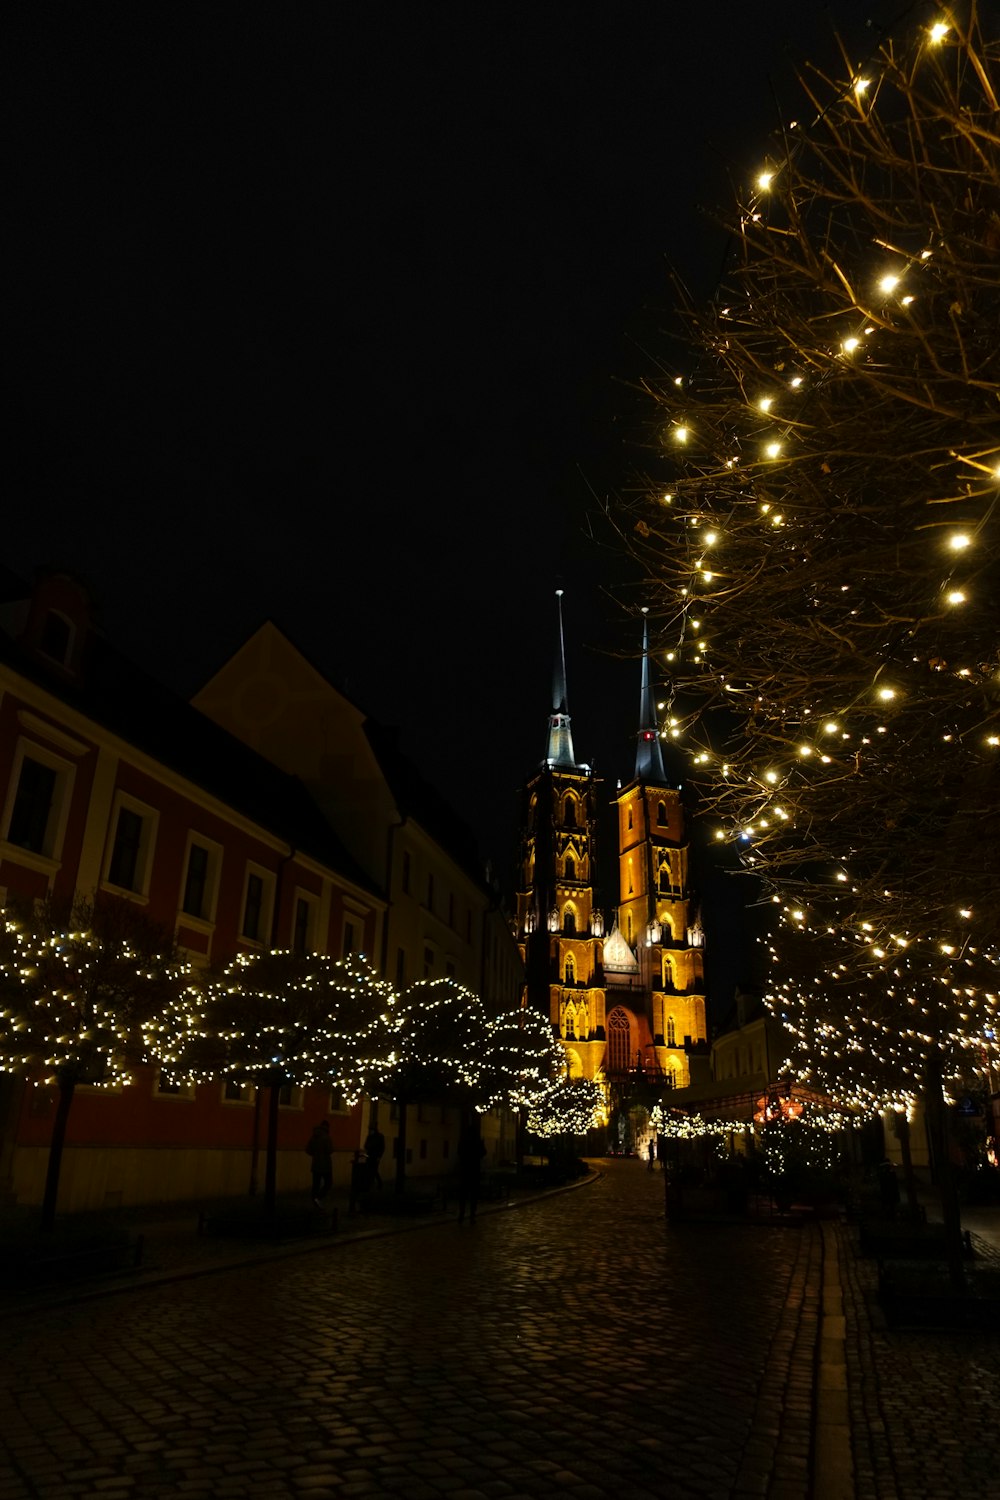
x=333, y=314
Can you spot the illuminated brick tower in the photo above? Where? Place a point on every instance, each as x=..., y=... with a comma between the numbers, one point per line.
x=655, y=907
x=623, y=1005
x=559, y=930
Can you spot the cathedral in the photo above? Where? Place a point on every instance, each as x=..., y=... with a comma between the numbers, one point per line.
x=628, y=1004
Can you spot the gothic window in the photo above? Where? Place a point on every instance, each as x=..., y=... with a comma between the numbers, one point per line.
x=570, y=1025
x=569, y=920
x=671, y=1032
x=661, y=814
x=570, y=970
x=570, y=867
x=619, y=1043
x=569, y=810
x=664, y=879
x=630, y=817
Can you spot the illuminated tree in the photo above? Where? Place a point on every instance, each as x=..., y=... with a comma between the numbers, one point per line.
x=76, y=989
x=570, y=1108
x=276, y=1019
x=437, y=1053
x=521, y=1060
x=821, y=545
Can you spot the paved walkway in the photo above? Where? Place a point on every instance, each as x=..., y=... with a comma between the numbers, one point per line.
x=577, y=1345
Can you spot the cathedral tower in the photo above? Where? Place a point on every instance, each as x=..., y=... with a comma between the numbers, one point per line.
x=655, y=904
x=627, y=1006
x=559, y=930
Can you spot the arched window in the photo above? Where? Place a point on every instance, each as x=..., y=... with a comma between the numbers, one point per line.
x=630, y=817
x=629, y=924
x=569, y=920
x=661, y=814
x=664, y=879
x=569, y=810
x=671, y=1032
x=619, y=1050
x=569, y=867
x=569, y=971
x=569, y=1028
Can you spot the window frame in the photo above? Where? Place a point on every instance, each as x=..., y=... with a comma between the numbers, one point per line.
x=49, y=857
x=205, y=920
x=267, y=879
x=150, y=817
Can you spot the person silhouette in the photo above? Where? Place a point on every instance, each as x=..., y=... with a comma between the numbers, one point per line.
x=471, y=1151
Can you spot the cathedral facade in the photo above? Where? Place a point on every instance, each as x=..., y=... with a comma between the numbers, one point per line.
x=626, y=1000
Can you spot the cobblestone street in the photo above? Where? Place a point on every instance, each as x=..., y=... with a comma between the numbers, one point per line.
x=576, y=1345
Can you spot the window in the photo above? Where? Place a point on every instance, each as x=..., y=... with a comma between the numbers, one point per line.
x=302, y=926
x=290, y=1097
x=348, y=945
x=569, y=920
x=201, y=879
x=570, y=970
x=671, y=1032
x=124, y=863
x=237, y=1093
x=406, y=873
x=569, y=867
x=664, y=879
x=56, y=637
x=129, y=858
x=253, y=906
x=31, y=815
x=661, y=814
x=619, y=1043
x=630, y=817
x=570, y=1026
x=428, y=962
x=569, y=810
x=196, y=881
x=173, y=1088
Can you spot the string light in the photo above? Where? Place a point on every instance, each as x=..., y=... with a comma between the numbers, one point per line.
x=848, y=599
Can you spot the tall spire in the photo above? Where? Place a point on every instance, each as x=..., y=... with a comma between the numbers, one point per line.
x=648, y=756
x=560, y=746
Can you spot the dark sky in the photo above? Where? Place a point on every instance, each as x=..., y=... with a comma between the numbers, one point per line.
x=329, y=313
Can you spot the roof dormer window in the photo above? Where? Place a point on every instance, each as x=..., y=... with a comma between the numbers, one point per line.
x=56, y=637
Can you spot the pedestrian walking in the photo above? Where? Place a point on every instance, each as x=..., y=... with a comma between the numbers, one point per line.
x=471, y=1151
x=374, y=1151
x=320, y=1149
x=651, y=1154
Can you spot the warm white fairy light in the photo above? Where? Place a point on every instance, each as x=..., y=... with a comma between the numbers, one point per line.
x=892, y=489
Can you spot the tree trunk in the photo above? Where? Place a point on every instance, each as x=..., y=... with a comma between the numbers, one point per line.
x=903, y=1136
x=271, y=1169
x=67, y=1088
x=937, y=1115
x=401, y=1147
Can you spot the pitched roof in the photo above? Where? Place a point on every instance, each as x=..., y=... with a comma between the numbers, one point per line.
x=122, y=697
